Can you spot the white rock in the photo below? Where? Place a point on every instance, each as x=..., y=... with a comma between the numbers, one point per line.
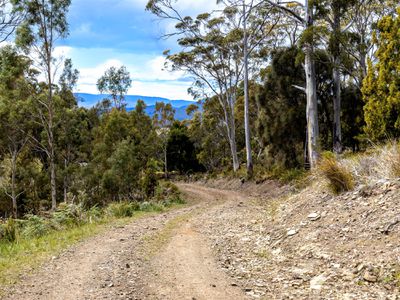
x=314, y=216
x=317, y=282
x=291, y=232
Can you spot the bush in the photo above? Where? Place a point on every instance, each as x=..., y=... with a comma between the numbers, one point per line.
x=70, y=215
x=339, y=178
x=166, y=190
x=8, y=231
x=35, y=226
x=149, y=180
x=122, y=209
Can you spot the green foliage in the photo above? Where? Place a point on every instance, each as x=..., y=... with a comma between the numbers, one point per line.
x=281, y=106
x=339, y=178
x=181, y=152
x=70, y=215
x=168, y=193
x=149, y=180
x=381, y=87
x=122, y=209
x=115, y=82
x=8, y=231
x=35, y=226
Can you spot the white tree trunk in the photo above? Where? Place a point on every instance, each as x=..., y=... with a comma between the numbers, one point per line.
x=312, y=102
x=249, y=158
x=232, y=143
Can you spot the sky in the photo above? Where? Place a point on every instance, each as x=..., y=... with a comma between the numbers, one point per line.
x=106, y=33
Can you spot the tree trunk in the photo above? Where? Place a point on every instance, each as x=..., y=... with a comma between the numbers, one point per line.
x=232, y=143
x=13, y=187
x=53, y=181
x=165, y=163
x=230, y=130
x=50, y=133
x=65, y=182
x=246, y=98
x=337, y=127
x=311, y=91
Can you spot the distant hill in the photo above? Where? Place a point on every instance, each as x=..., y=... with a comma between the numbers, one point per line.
x=90, y=100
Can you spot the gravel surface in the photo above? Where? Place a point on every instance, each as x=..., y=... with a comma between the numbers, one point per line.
x=250, y=242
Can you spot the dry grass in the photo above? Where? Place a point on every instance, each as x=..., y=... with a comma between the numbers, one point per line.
x=381, y=162
x=339, y=178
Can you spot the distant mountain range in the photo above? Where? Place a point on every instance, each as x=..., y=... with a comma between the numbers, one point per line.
x=90, y=100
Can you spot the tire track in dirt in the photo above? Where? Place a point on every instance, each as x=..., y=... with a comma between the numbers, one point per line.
x=115, y=264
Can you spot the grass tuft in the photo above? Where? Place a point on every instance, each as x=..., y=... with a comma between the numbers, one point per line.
x=339, y=178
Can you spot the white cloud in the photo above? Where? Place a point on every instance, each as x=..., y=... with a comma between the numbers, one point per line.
x=154, y=69
x=149, y=78
x=62, y=52
x=172, y=90
x=88, y=76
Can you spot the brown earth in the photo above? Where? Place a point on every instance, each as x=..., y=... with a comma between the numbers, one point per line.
x=250, y=242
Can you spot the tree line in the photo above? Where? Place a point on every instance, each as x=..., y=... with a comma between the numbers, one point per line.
x=277, y=84
x=330, y=47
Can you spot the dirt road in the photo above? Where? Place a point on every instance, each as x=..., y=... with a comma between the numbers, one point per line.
x=159, y=257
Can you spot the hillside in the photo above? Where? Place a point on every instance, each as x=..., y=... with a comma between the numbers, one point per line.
x=90, y=100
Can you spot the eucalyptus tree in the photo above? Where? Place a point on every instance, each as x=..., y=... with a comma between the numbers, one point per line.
x=212, y=54
x=305, y=18
x=72, y=127
x=45, y=22
x=115, y=82
x=334, y=24
x=15, y=91
x=256, y=21
x=163, y=119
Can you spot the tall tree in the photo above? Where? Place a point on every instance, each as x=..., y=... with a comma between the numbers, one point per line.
x=381, y=88
x=335, y=20
x=73, y=126
x=45, y=23
x=115, y=82
x=163, y=119
x=256, y=22
x=212, y=55
x=307, y=21
x=15, y=90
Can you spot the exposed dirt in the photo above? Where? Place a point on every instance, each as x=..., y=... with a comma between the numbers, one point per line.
x=123, y=264
x=250, y=242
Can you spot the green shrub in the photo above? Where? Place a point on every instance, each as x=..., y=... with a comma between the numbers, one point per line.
x=94, y=214
x=122, y=209
x=70, y=215
x=149, y=180
x=8, y=231
x=35, y=226
x=165, y=190
x=339, y=178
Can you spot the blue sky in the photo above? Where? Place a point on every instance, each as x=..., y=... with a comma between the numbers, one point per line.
x=106, y=33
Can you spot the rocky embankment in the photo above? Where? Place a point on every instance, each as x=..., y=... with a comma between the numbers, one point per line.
x=282, y=244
